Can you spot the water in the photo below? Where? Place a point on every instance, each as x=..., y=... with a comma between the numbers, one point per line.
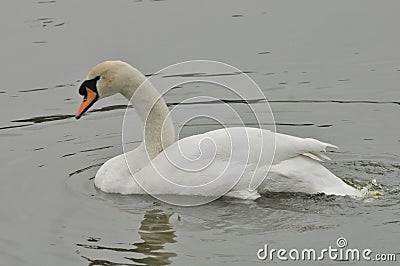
x=330, y=70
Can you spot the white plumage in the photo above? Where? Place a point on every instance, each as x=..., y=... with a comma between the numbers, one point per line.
x=241, y=161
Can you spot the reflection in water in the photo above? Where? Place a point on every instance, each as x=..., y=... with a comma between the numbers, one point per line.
x=155, y=231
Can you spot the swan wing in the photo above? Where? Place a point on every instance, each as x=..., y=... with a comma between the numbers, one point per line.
x=208, y=164
x=236, y=159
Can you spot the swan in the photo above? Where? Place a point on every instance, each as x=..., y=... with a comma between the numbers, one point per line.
x=241, y=162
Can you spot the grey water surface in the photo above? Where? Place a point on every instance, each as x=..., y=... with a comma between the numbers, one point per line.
x=330, y=70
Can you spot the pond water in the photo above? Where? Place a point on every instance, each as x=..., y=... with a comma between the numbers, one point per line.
x=330, y=71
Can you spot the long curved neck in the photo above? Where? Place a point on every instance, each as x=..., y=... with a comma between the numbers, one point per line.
x=158, y=128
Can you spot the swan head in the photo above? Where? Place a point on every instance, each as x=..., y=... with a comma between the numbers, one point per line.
x=104, y=80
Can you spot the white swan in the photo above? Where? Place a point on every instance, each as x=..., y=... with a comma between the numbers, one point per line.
x=205, y=164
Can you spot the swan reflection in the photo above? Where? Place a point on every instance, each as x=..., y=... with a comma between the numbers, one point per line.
x=155, y=231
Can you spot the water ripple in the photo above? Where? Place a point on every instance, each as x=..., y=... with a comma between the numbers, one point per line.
x=192, y=75
x=85, y=169
x=43, y=119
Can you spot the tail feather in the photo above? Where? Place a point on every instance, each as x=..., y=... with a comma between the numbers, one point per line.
x=318, y=153
x=314, y=156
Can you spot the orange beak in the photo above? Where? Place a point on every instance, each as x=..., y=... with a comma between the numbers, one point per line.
x=88, y=100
